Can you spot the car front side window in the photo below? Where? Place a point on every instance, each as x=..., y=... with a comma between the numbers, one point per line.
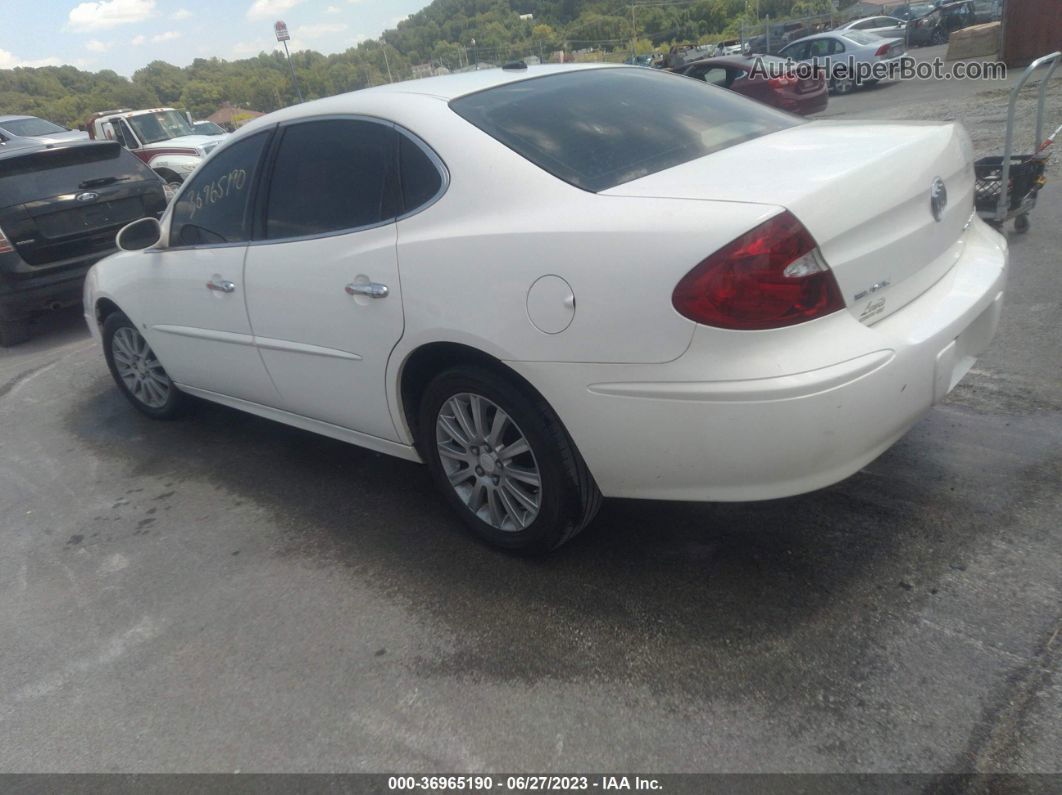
x=214, y=208
x=332, y=175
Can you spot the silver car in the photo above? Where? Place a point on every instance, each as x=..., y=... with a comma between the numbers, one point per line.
x=37, y=130
x=845, y=48
x=880, y=26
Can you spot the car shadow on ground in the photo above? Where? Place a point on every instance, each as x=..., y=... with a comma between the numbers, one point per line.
x=816, y=576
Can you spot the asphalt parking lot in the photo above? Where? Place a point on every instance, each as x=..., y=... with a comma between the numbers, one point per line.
x=224, y=593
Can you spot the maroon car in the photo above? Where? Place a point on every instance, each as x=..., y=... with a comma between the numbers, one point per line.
x=734, y=72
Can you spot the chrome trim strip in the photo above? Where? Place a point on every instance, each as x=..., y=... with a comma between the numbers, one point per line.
x=206, y=334
x=298, y=347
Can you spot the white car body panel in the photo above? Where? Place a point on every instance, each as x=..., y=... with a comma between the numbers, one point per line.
x=713, y=414
x=310, y=331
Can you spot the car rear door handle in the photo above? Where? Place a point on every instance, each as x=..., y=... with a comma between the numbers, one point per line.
x=369, y=289
x=221, y=285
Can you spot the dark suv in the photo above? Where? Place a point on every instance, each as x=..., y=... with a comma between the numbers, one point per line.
x=60, y=208
x=936, y=26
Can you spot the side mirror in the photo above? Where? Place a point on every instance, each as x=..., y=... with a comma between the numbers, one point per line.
x=139, y=235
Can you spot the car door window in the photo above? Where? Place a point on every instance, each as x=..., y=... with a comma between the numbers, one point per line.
x=798, y=51
x=835, y=46
x=420, y=176
x=820, y=48
x=214, y=208
x=330, y=176
x=716, y=75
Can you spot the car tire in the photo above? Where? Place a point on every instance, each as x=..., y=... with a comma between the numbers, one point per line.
x=842, y=85
x=14, y=331
x=138, y=372
x=938, y=37
x=496, y=496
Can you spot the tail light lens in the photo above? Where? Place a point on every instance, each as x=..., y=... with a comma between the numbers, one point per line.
x=770, y=277
x=883, y=50
x=782, y=82
x=5, y=244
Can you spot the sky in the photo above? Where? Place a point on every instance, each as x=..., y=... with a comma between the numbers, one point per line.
x=124, y=35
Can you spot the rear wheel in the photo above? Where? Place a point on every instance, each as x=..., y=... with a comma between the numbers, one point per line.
x=13, y=331
x=939, y=37
x=138, y=372
x=504, y=462
x=1021, y=224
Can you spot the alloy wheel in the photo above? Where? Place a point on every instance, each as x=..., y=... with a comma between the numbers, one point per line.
x=139, y=369
x=488, y=462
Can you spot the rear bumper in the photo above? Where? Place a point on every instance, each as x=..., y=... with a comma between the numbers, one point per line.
x=52, y=287
x=786, y=411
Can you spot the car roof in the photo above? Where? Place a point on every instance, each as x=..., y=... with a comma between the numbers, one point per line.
x=428, y=89
x=733, y=60
x=15, y=118
x=30, y=146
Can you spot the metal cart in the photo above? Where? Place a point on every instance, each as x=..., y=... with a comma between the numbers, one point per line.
x=1006, y=187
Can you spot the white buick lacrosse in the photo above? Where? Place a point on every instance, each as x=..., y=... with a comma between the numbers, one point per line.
x=554, y=284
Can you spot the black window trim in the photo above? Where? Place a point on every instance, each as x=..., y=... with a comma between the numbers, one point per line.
x=252, y=201
x=261, y=196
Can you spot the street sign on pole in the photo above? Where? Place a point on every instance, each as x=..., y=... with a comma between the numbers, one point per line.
x=283, y=36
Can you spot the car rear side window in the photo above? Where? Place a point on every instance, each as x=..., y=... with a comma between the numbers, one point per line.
x=330, y=176
x=421, y=180
x=598, y=128
x=214, y=207
x=46, y=173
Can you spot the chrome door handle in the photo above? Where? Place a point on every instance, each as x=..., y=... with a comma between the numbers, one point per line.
x=221, y=285
x=370, y=289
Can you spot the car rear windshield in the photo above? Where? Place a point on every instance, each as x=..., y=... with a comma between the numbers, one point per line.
x=46, y=173
x=31, y=127
x=598, y=128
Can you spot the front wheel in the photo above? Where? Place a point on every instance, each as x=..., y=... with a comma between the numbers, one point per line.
x=138, y=372
x=504, y=462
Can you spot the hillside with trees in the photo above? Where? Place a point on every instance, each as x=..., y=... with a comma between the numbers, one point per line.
x=442, y=34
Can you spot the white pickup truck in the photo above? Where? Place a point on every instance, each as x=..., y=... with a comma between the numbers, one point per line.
x=162, y=137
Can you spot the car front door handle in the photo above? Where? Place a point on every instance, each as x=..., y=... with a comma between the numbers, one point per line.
x=368, y=289
x=221, y=285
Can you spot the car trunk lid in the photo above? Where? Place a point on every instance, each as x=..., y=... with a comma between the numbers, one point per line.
x=863, y=190
x=56, y=205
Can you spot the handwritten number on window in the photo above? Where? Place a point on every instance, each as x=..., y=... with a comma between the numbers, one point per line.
x=218, y=190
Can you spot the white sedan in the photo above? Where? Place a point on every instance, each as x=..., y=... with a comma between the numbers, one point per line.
x=561, y=283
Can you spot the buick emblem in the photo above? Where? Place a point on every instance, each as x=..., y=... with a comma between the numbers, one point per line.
x=87, y=197
x=938, y=198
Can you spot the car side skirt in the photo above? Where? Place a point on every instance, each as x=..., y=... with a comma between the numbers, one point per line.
x=406, y=452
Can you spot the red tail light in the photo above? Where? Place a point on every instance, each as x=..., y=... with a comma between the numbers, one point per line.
x=782, y=82
x=883, y=50
x=770, y=277
x=5, y=244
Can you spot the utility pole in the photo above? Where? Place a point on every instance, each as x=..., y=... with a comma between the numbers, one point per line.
x=387, y=62
x=282, y=36
x=634, y=35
